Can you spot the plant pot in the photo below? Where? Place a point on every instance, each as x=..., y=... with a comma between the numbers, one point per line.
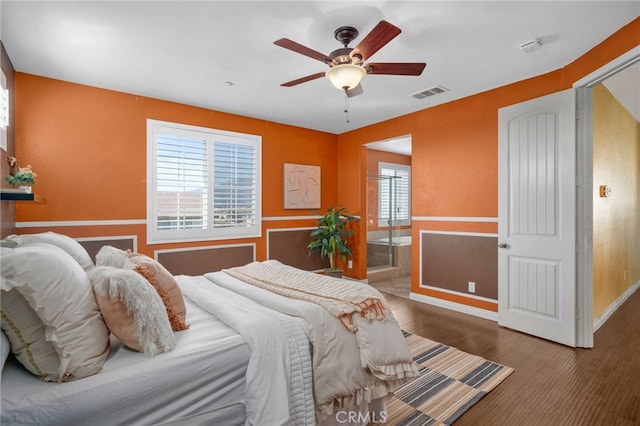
x=336, y=273
x=25, y=188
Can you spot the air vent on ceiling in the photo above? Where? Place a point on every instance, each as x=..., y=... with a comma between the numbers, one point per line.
x=431, y=91
x=531, y=45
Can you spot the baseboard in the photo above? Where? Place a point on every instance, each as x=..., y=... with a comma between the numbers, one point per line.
x=493, y=316
x=458, y=307
x=599, y=322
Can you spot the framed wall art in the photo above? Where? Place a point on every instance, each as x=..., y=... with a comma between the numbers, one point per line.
x=301, y=186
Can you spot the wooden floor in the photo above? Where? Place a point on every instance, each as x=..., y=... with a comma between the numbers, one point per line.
x=552, y=384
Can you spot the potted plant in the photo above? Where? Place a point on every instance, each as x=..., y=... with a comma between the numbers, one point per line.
x=330, y=237
x=22, y=177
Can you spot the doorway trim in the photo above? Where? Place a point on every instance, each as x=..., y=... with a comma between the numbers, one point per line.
x=584, y=194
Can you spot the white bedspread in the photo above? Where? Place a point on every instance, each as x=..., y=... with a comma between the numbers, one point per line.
x=344, y=374
x=279, y=387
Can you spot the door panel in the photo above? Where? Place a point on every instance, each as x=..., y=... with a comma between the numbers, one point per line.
x=536, y=217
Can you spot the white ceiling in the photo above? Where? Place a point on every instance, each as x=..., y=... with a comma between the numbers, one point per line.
x=400, y=145
x=220, y=54
x=625, y=86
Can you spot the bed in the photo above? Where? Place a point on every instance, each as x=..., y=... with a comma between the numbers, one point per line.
x=180, y=386
x=249, y=356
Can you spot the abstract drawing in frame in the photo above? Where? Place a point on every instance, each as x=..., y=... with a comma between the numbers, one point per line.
x=301, y=186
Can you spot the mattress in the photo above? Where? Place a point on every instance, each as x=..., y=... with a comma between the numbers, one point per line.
x=202, y=381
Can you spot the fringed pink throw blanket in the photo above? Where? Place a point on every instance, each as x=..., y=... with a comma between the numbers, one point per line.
x=342, y=301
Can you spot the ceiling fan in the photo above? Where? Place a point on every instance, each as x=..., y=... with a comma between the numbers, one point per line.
x=346, y=65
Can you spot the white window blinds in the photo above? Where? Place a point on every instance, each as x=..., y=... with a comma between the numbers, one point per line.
x=394, y=201
x=181, y=183
x=234, y=189
x=203, y=183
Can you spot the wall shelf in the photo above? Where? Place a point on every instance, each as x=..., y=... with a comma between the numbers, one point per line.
x=16, y=196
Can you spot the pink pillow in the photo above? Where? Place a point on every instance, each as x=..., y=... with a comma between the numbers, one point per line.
x=132, y=310
x=177, y=324
x=165, y=283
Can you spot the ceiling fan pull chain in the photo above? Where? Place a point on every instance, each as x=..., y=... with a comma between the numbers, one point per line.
x=346, y=104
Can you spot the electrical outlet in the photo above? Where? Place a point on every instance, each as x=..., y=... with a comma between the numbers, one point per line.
x=472, y=287
x=350, y=264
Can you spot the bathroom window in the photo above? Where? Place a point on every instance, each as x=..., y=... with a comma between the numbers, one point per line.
x=394, y=202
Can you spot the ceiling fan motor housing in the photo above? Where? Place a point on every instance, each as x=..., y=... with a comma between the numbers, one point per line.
x=345, y=35
x=341, y=56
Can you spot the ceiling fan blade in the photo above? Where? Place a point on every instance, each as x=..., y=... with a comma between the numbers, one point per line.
x=358, y=90
x=380, y=35
x=396, y=68
x=303, y=50
x=303, y=79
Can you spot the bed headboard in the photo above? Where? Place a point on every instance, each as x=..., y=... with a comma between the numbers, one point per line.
x=93, y=244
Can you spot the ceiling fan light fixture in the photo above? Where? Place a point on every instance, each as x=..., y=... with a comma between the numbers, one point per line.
x=345, y=76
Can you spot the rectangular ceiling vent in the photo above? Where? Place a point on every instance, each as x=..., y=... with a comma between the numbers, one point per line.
x=431, y=91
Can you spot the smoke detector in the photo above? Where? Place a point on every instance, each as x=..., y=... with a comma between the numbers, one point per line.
x=531, y=45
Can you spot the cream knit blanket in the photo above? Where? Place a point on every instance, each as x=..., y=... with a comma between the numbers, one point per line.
x=341, y=298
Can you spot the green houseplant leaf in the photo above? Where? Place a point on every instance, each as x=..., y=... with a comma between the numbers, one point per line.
x=330, y=237
x=21, y=178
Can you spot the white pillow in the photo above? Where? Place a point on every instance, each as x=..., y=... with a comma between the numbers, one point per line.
x=111, y=256
x=59, y=291
x=26, y=332
x=5, y=348
x=65, y=242
x=132, y=309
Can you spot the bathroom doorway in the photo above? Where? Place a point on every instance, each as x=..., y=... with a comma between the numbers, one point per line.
x=389, y=215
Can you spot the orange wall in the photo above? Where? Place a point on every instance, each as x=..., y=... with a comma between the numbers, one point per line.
x=455, y=151
x=88, y=147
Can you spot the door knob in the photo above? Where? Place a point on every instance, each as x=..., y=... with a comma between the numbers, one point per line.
x=503, y=245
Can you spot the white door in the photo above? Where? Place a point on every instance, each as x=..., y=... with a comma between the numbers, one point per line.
x=536, y=217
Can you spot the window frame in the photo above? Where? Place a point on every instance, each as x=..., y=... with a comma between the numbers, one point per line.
x=157, y=128
x=4, y=110
x=394, y=166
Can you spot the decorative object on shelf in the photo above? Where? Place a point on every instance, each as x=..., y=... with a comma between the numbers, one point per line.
x=22, y=177
x=330, y=237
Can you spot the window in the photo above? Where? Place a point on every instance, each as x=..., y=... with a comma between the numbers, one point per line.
x=202, y=183
x=4, y=110
x=394, y=202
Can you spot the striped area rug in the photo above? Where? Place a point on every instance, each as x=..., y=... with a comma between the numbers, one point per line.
x=450, y=382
